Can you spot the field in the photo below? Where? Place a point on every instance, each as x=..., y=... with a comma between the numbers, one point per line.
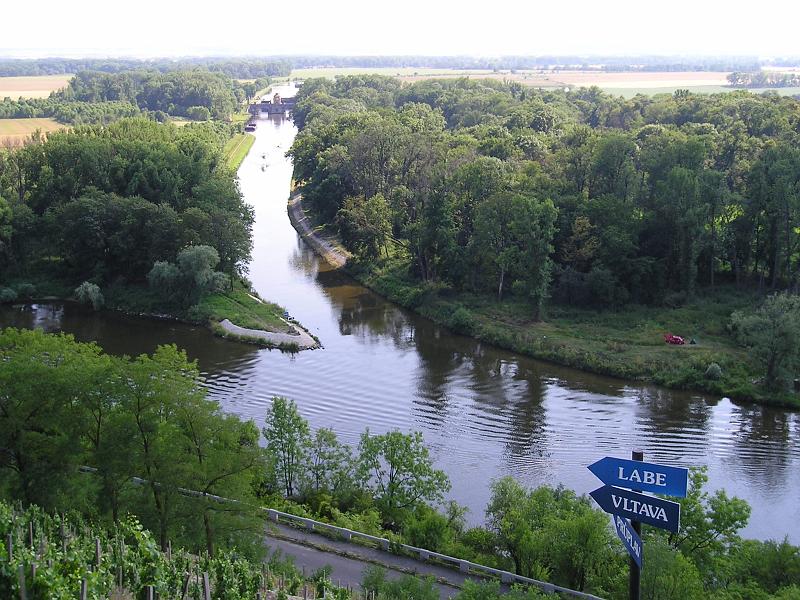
x=626, y=84
x=31, y=87
x=22, y=128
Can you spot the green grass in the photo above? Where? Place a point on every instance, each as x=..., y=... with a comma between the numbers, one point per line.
x=236, y=149
x=244, y=309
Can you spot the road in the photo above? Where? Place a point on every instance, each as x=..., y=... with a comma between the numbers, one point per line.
x=314, y=551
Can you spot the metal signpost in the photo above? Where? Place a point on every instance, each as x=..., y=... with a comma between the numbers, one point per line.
x=630, y=508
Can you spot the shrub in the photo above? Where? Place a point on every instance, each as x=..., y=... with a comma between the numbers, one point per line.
x=198, y=113
x=462, y=321
x=25, y=290
x=714, y=372
x=89, y=293
x=7, y=295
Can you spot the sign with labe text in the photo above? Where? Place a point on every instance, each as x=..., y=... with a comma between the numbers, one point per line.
x=642, y=476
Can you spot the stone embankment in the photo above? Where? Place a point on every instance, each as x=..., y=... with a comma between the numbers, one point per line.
x=327, y=249
x=301, y=338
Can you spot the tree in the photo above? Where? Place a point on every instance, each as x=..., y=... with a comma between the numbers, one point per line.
x=89, y=293
x=709, y=522
x=329, y=464
x=669, y=574
x=772, y=333
x=45, y=383
x=551, y=533
x=398, y=470
x=364, y=225
x=287, y=438
x=192, y=277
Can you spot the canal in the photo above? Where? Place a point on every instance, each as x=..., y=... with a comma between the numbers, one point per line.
x=484, y=412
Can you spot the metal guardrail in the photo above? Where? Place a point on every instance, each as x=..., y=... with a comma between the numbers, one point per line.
x=422, y=554
x=464, y=566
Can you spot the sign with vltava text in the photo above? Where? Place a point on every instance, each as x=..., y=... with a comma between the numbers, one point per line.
x=639, y=507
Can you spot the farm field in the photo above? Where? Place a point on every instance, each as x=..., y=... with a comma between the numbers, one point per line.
x=22, y=128
x=626, y=84
x=32, y=87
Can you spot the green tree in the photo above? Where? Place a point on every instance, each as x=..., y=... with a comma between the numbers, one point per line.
x=397, y=469
x=46, y=381
x=287, y=436
x=772, y=333
x=89, y=293
x=364, y=225
x=329, y=465
x=669, y=574
x=551, y=534
x=710, y=523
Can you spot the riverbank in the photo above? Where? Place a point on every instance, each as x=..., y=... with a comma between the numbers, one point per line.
x=628, y=344
x=236, y=149
x=237, y=314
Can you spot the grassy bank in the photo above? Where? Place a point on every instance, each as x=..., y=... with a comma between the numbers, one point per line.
x=236, y=149
x=240, y=306
x=245, y=309
x=627, y=343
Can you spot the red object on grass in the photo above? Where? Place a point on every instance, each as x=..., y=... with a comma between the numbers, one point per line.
x=674, y=339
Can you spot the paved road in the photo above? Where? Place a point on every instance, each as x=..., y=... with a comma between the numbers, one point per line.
x=349, y=569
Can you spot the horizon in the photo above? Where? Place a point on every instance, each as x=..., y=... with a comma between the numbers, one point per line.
x=622, y=28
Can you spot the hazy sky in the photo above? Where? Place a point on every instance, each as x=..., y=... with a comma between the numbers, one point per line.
x=486, y=28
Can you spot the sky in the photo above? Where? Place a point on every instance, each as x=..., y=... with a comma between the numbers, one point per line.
x=151, y=28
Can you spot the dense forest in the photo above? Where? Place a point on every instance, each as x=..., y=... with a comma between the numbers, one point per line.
x=65, y=406
x=106, y=204
x=195, y=94
x=634, y=200
x=580, y=197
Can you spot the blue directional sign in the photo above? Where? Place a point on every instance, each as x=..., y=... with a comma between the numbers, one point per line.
x=639, y=507
x=630, y=539
x=647, y=477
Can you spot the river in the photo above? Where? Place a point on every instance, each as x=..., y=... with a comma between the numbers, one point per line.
x=484, y=412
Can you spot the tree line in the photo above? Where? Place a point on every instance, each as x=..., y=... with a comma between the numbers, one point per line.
x=64, y=405
x=197, y=94
x=763, y=78
x=281, y=66
x=240, y=68
x=95, y=97
x=73, y=113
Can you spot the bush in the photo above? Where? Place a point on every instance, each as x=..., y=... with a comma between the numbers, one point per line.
x=198, y=113
x=462, y=321
x=89, y=293
x=713, y=372
x=25, y=290
x=7, y=295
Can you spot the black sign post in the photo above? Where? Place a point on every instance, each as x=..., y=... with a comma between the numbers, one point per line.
x=635, y=578
x=636, y=508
